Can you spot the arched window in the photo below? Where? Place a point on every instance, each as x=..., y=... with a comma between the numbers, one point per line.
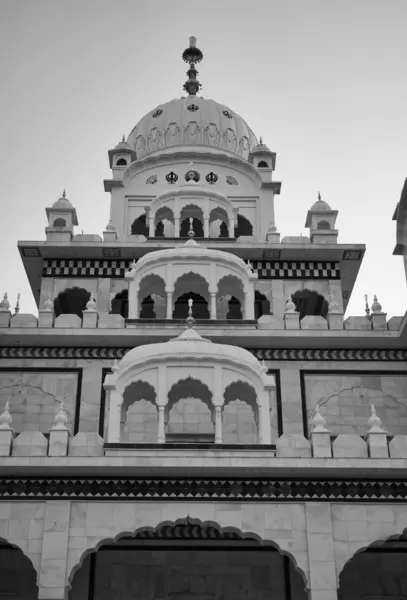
x=59, y=223
x=122, y=162
x=261, y=305
x=18, y=578
x=323, y=225
x=139, y=226
x=309, y=302
x=120, y=304
x=244, y=227
x=71, y=302
x=262, y=164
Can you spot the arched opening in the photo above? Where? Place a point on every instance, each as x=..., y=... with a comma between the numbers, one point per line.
x=244, y=227
x=309, y=302
x=18, y=578
x=218, y=223
x=139, y=226
x=262, y=164
x=152, y=297
x=323, y=225
x=378, y=571
x=230, y=298
x=164, y=222
x=122, y=162
x=189, y=413
x=261, y=305
x=71, y=302
x=191, y=286
x=59, y=223
x=240, y=414
x=188, y=559
x=120, y=304
x=139, y=414
x=196, y=225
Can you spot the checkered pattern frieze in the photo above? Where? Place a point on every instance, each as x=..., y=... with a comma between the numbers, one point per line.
x=278, y=269
x=117, y=268
x=85, y=268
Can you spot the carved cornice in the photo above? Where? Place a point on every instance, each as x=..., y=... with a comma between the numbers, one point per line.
x=272, y=354
x=260, y=489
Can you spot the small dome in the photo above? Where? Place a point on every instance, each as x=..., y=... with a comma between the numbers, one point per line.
x=62, y=202
x=320, y=206
x=123, y=145
x=192, y=121
x=191, y=344
x=260, y=148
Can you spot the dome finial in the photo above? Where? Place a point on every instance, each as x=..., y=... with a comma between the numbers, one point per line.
x=192, y=55
x=319, y=196
x=123, y=138
x=261, y=141
x=64, y=193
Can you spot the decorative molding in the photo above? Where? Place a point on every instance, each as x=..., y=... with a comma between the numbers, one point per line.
x=201, y=489
x=278, y=354
x=266, y=269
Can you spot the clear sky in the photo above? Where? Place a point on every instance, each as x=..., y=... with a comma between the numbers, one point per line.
x=322, y=81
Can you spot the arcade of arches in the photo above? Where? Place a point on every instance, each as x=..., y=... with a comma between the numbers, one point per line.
x=189, y=559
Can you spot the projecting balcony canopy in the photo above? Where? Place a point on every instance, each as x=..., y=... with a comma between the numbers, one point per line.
x=213, y=274
x=189, y=366
x=192, y=201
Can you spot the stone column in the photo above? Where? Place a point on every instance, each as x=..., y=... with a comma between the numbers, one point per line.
x=176, y=226
x=54, y=554
x=231, y=227
x=136, y=305
x=151, y=228
x=213, y=306
x=218, y=425
x=260, y=422
x=161, y=424
x=169, y=305
x=320, y=551
x=249, y=302
x=206, y=227
x=115, y=409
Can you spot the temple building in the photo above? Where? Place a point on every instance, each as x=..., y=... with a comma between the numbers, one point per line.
x=190, y=416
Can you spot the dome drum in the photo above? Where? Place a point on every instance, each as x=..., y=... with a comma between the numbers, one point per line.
x=192, y=363
x=173, y=273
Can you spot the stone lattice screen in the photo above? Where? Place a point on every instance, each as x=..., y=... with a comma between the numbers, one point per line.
x=345, y=400
x=34, y=397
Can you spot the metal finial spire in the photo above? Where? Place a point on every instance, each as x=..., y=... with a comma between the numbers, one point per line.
x=17, y=306
x=261, y=141
x=367, y=309
x=64, y=193
x=319, y=196
x=192, y=55
x=191, y=232
x=123, y=138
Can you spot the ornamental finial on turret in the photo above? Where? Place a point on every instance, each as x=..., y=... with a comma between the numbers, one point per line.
x=17, y=306
x=367, y=309
x=374, y=421
x=64, y=193
x=123, y=138
x=5, y=304
x=319, y=196
x=192, y=55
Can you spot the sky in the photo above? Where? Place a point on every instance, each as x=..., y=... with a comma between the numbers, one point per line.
x=323, y=82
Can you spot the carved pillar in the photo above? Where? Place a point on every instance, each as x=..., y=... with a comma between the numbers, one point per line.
x=136, y=305
x=115, y=408
x=151, y=228
x=231, y=227
x=260, y=422
x=249, y=302
x=169, y=305
x=213, y=306
x=161, y=424
x=218, y=425
x=176, y=226
x=206, y=227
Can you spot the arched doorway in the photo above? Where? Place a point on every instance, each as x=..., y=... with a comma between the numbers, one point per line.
x=378, y=571
x=71, y=301
x=188, y=559
x=18, y=578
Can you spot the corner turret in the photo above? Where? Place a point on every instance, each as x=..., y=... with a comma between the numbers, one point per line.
x=61, y=220
x=321, y=222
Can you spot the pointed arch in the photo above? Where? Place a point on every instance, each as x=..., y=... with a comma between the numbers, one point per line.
x=72, y=301
x=17, y=572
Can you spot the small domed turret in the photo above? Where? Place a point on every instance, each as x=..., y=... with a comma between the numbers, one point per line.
x=62, y=218
x=120, y=157
x=321, y=222
x=264, y=160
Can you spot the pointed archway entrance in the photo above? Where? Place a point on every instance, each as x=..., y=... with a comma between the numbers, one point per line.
x=188, y=560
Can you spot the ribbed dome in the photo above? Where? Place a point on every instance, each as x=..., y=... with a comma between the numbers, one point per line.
x=192, y=121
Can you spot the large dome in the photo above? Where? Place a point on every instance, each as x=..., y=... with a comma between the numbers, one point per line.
x=192, y=121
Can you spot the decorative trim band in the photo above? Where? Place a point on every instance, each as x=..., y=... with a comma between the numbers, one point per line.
x=117, y=268
x=280, y=354
x=261, y=489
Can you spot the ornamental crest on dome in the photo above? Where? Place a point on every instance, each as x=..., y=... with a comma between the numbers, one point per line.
x=211, y=135
x=229, y=140
x=155, y=139
x=172, y=135
x=244, y=146
x=140, y=145
x=192, y=133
